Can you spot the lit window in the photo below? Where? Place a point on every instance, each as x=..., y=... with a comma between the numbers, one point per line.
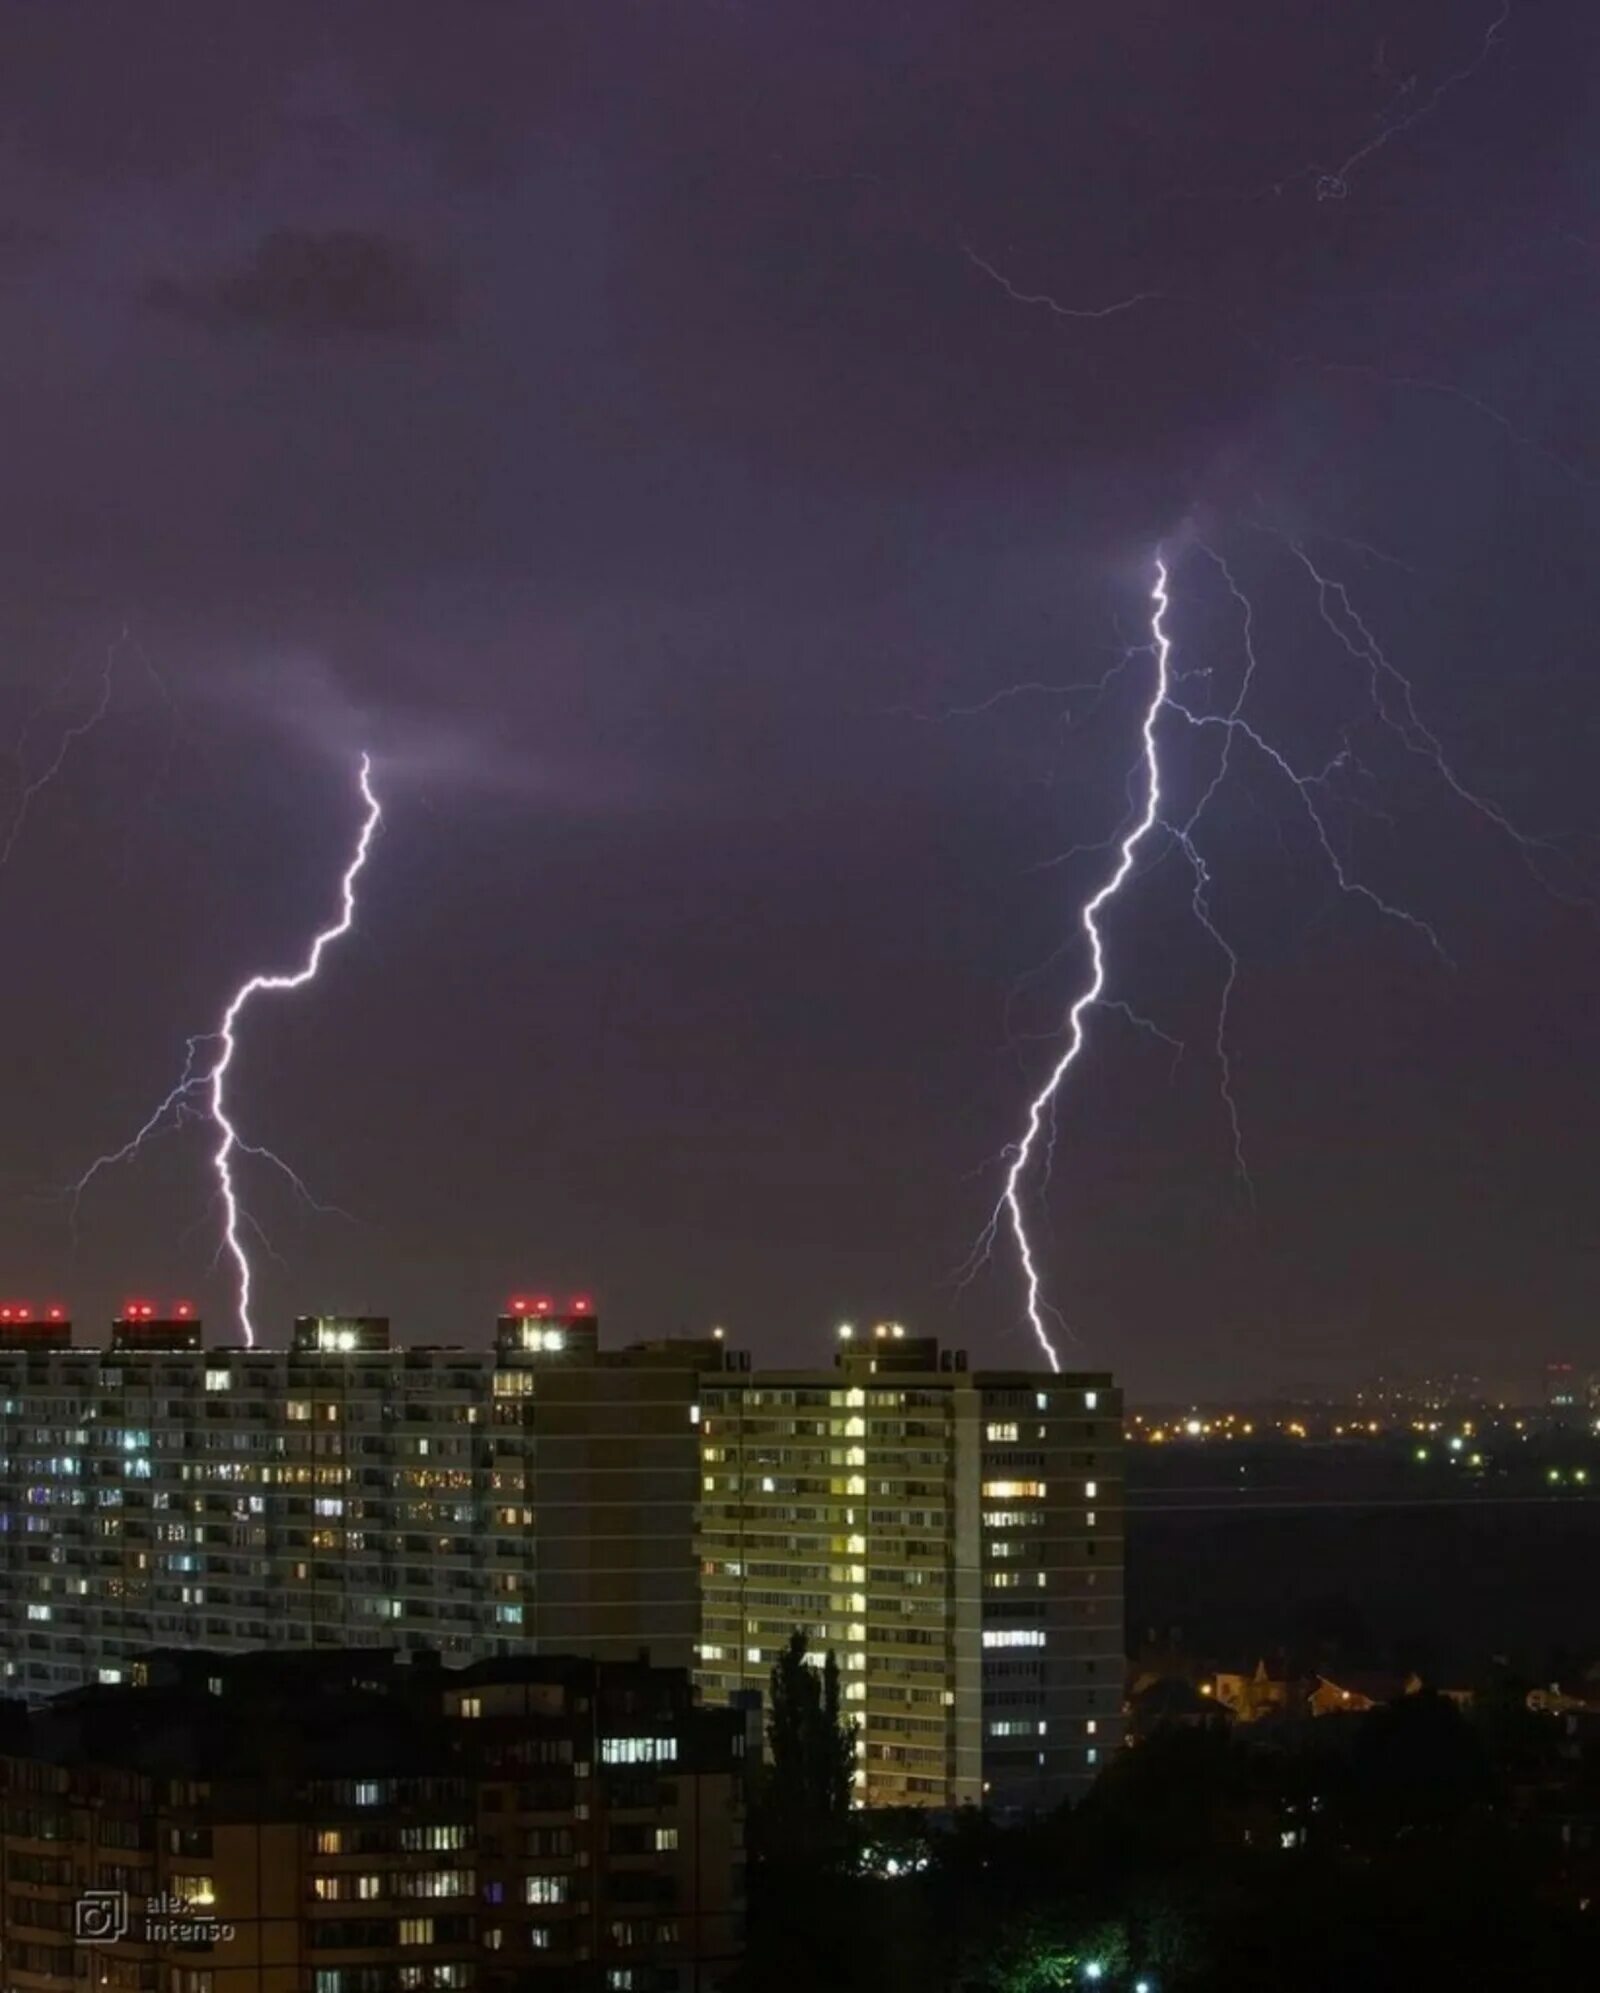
x=1091, y=1489
x=666, y=1840
x=471, y=1705
x=1013, y=1636
x=1009, y=1491
x=1000, y=1435
x=1091, y=1400
x=330, y=1841
x=638, y=1750
x=416, y=1930
x=1042, y=1400
x=1093, y=1755
x=1088, y=1518
x=200, y=1890
x=546, y=1888
x=753, y=1656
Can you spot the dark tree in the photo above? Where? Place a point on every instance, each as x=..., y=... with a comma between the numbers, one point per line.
x=812, y=1752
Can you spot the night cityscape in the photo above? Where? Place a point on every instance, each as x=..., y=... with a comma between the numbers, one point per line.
x=803, y=890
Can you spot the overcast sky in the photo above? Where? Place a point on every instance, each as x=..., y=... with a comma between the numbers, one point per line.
x=651, y=431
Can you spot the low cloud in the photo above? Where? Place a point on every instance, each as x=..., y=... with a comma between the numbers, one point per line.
x=326, y=284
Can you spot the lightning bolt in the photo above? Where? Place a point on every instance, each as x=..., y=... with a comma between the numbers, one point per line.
x=1335, y=185
x=1042, y=1106
x=1040, y=301
x=205, y=1075
x=30, y=786
x=1027, y=1161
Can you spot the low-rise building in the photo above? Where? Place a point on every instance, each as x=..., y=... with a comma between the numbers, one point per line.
x=352, y=1823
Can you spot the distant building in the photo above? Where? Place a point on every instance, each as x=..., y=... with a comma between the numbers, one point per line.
x=337, y=1824
x=1359, y=1689
x=953, y=1536
x=1563, y=1388
x=539, y=1497
x=1268, y=1690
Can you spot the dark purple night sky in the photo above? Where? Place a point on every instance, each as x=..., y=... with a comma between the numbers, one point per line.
x=602, y=412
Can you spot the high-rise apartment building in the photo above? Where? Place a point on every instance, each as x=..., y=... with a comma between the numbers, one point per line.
x=538, y=1497
x=953, y=1536
x=337, y=1823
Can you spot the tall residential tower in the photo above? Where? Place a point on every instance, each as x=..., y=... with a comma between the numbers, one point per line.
x=953, y=1536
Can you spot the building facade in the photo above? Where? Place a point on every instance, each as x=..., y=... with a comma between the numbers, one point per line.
x=538, y=1497
x=337, y=1823
x=955, y=1537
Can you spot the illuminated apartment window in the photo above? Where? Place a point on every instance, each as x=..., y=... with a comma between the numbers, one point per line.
x=638, y=1750
x=752, y=1656
x=219, y=1380
x=1091, y=1400
x=1093, y=1755
x=1091, y=1489
x=1009, y=1491
x=1000, y=1435
x=666, y=1840
x=1013, y=1636
x=546, y=1888
x=471, y=1705
x=1042, y=1400
x=297, y=1408
x=330, y=1841
x=539, y=1937
x=1089, y=1518
x=369, y=1888
x=416, y=1930
x=1092, y=1725
x=200, y=1890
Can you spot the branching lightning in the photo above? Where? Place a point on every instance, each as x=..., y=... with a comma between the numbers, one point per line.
x=1040, y=301
x=29, y=786
x=1335, y=185
x=202, y=1088
x=1156, y=823
x=1042, y=1106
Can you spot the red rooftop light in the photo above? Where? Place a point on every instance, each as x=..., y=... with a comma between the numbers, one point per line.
x=57, y=1314
x=183, y=1309
x=580, y=1304
x=519, y=1306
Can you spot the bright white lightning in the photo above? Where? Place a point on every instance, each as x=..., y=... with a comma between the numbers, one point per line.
x=211, y=1083
x=1043, y=1102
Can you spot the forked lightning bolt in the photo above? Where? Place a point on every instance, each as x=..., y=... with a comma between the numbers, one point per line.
x=209, y=1082
x=1043, y=1102
x=1394, y=705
